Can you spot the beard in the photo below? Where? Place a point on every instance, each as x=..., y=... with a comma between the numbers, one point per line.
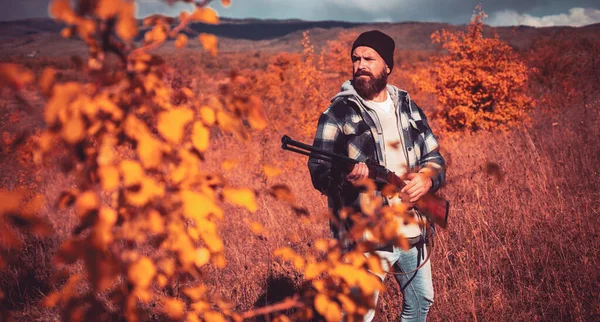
x=369, y=87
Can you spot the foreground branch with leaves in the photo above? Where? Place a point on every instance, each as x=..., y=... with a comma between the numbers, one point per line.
x=148, y=212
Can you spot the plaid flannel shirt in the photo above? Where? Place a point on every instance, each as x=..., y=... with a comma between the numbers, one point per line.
x=349, y=127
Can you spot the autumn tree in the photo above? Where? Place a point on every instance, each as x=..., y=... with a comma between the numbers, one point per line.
x=480, y=83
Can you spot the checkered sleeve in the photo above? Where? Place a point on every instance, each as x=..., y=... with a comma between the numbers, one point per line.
x=431, y=159
x=328, y=133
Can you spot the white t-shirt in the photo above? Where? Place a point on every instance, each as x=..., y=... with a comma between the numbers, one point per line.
x=395, y=159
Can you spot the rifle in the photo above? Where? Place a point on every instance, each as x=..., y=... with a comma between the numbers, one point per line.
x=431, y=205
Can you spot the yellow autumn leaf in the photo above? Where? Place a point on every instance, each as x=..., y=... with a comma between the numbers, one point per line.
x=202, y=257
x=348, y=304
x=172, y=123
x=213, y=242
x=327, y=308
x=74, y=130
x=209, y=43
x=228, y=164
x=256, y=227
x=243, y=197
x=205, y=15
x=374, y=264
x=200, y=136
x=86, y=202
x=132, y=172
x=156, y=224
x=207, y=114
x=142, y=272
x=62, y=97
x=149, y=151
x=109, y=177
x=219, y=261
x=231, y=124
x=311, y=271
x=271, y=171
x=149, y=189
x=195, y=293
x=198, y=206
x=369, y=283
x=107, y=216
x=173, y=308
x=162, y=280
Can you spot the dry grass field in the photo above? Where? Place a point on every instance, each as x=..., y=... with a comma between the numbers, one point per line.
x=523, y=243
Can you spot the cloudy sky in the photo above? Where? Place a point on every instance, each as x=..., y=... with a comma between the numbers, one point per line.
x=500, y=12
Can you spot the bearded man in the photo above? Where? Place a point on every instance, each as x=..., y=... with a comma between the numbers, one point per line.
x=373, y=121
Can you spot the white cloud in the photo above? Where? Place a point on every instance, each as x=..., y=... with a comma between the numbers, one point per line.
x=576, y=17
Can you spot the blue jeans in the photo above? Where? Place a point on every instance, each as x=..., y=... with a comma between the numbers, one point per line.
x=416, y=287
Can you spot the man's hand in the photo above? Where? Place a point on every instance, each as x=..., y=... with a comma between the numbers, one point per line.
x=417, y=187
x=359, y=171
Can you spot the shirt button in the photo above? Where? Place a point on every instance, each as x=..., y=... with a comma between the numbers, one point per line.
x=409, y=149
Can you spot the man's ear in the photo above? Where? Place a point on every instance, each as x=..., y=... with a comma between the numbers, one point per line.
x=388, y=69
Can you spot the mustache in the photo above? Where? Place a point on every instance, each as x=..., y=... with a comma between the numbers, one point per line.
x=363, y=72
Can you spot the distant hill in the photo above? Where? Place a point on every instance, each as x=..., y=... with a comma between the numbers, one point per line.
x=21, y=37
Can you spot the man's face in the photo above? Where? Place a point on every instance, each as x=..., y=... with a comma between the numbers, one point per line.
x=369, y=72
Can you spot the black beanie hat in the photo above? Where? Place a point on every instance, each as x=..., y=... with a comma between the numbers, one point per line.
x=383, y=44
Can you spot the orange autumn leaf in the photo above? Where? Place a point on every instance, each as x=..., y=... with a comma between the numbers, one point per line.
x=73, y=130
x=109, y=177
x=14, y=75
x=209, y=42
x=195, y=293
x=205, y=15
x=131, y=171
x=198, y=206
x=327, y=308
x=200, y=136
x=228, y=164
x=149, y=151
x=142, y=272
x=243, y=197
x=173, y=308
x=181, y=40
x=207, y=114
x=202, y=257
x=271, y=171
x=86, y=202
x=229, y=123
x=126, y=27
x=171, y=123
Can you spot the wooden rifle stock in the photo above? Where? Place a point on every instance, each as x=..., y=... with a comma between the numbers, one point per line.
x=431, y=205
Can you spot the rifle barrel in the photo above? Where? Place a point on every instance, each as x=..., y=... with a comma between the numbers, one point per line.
x=315, y=152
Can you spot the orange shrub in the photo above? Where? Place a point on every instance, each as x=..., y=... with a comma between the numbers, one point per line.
x=480, y=83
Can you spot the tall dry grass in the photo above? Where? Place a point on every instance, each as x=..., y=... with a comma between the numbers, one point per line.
x=522, y=242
